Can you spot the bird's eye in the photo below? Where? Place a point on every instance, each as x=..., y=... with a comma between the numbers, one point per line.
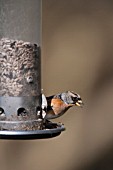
x=74, y=99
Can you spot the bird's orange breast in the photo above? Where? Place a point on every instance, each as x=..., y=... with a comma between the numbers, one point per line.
x=58, y=106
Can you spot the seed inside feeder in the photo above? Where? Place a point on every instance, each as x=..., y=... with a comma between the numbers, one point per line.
x=19, y=61
x=30, y=79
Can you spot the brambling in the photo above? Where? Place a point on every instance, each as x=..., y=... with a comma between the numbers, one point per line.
x=56, y=105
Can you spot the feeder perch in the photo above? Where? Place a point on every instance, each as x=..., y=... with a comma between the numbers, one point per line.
x=21, y=101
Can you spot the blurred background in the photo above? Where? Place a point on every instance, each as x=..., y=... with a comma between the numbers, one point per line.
x=77, y=55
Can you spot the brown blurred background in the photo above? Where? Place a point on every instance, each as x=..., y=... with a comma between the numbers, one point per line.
x=77, y=54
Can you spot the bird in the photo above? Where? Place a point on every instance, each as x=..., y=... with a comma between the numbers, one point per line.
x=56, y=105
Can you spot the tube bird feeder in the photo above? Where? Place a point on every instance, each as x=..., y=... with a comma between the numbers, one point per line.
x=20, y=73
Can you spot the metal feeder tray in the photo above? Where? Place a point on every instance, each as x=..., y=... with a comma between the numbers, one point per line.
x=32, y=134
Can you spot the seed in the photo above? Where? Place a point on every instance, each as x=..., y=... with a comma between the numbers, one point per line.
x=18, y=60
x=20, y=86
x=4, y=64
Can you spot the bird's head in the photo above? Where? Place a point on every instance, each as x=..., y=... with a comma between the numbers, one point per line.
x=72, y=98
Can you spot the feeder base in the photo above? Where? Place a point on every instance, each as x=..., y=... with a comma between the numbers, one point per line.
x=33, y=134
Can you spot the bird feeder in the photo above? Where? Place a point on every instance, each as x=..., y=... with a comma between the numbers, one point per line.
x=20, y=73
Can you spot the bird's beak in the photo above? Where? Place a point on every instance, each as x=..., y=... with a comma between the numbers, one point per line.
x=79, y=103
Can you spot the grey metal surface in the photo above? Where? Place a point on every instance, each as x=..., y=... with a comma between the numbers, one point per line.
x=11, y=106
x=21, y=19
x=36, y=134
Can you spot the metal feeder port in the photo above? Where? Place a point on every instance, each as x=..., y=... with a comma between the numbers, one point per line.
x=20, y=81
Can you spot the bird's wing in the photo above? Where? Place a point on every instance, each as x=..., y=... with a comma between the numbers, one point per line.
x=44, y=102
x=49, y=98
x=50, y=112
